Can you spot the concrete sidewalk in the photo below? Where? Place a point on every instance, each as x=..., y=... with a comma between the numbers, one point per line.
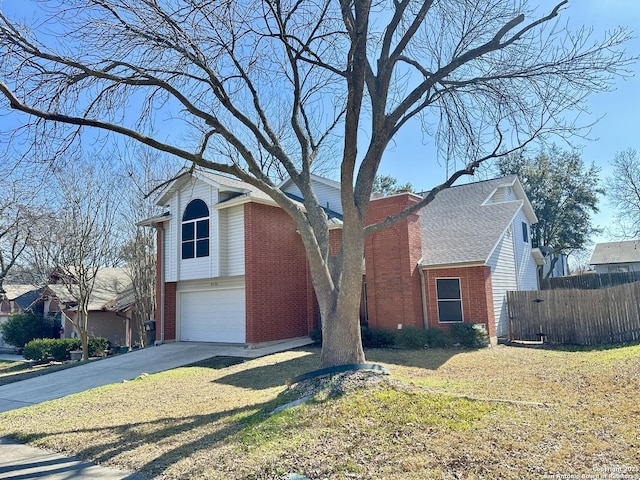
x=19, y=461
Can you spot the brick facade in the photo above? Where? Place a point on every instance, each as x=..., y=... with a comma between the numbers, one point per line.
x=279, y=298
x=279, y=295
x=476, y=292
x=170, y=297
x=391, y=264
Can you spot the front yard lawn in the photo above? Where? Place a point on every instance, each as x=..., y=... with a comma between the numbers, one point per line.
x=503, y=412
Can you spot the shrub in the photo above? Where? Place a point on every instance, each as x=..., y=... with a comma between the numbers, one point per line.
x=370, y=338
x=98, y=346
x=21, y=328
x=410, y=337
x=316, y=335
x=377, y=338
x=436, y=338
x=57, y=349
x=469, y=335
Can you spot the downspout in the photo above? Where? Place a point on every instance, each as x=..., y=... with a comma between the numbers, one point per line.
x=423, y=295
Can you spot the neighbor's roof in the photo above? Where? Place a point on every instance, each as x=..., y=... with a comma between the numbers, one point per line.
x=112, y=290
x=460, y=226
x=616, y=252
x=12, y=292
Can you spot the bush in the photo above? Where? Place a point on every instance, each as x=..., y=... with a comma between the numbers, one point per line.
x=98, y=346
x=21, y=328
x=377, y=338
x=370, y=338
x=469, y=335
x=436, y=338
x=44, y=349
x=57, y=349
x=410, y=337
x=316, y=335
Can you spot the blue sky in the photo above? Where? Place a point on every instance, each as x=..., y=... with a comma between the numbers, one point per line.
x=617, y=110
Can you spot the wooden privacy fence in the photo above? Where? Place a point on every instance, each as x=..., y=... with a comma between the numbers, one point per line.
x=590, y=281
x=579, y=317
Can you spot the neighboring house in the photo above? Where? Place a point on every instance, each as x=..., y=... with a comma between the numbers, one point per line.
x=19, y=298
x=232, y=268
x=110, y=306
x=616, y=257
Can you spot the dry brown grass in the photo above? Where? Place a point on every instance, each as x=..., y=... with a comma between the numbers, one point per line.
x=211, y=420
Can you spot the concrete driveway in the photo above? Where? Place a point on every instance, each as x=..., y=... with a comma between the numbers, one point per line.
x=126, y=367
x=19, y=461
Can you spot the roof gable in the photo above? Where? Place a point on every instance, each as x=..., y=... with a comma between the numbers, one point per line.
x=222, y=183
x=464, y=224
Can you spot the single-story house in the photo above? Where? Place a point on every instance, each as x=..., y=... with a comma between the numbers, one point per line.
x=616, y=257
x=232, y=268
x=110, y=305
x=18, y=298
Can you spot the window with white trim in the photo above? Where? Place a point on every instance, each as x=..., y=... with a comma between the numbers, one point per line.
x=195, y=230
x=449, y=300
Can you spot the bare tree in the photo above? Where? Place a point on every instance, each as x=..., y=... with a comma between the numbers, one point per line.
x=144, y=171
x=623, y=192
x=491, y=75
x=16, y=226
x=84, y=238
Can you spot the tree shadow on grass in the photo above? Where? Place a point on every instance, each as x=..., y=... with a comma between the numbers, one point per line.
x=276, y=374
x=427, y=358
x=218, y=427
x=282, y=372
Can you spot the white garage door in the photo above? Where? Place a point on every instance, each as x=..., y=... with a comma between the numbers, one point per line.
x=213, y=316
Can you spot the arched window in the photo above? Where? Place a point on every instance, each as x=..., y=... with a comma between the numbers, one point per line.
x=195, y=230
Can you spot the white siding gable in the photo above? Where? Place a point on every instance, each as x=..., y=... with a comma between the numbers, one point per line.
x=328, y=195
x=526, y=267
x=232, y=241
x=503, y=279
x=176, y=268
x=226, y=237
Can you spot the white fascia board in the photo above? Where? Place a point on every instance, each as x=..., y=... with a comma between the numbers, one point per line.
x=473, y=263
x=526, y=204
x=150, y=222
x=241, y=200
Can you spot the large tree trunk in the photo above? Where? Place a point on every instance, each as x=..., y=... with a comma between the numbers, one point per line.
x=341, y=341
x=340, y=307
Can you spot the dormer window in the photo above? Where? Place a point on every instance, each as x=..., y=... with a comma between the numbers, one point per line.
x=195, y=230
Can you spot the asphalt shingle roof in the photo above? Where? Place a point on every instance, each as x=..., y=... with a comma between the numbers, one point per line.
x=458, y=227
x=616, y=252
